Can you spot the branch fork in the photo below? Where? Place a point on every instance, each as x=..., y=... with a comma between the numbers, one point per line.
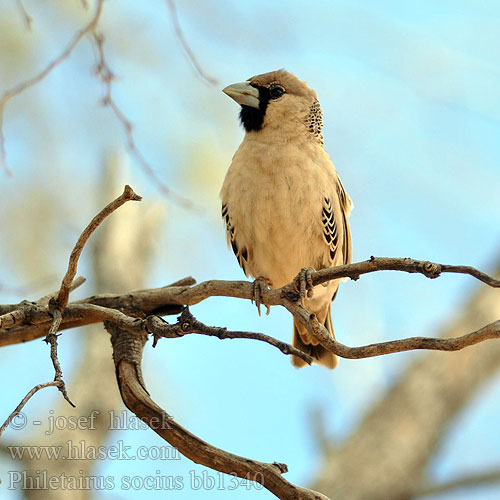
x=132, y=316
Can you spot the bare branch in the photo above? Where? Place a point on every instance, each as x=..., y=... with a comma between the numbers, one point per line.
x=127, y=195
x=103, y=71
x=21, y=87
x=28, y=20
x=187, y=49
x=16, y=316
x=188, y=281
x=84, y=313
x=187, y=323
x=58, y=301
x=20, y=406
x=429, y=269
x=490, y=331
x=149, y=301
x=46, y=299
x=129, y=318
x=57, y=305
x=127, y=354
x=51, y=339
x=19, y=313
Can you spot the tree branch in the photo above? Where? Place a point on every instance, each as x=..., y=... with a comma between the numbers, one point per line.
x=12, y=314
x=104, y=73
x=20, y=406
x=131, y=317
x=484, y=478
x=187, y=49
x=34, y=323
x=57, y=304
x=127, y=353
x=127, y=195
x=187, y=323
x=21, y=87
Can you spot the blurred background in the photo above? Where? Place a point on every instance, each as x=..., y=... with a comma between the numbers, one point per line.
x=410, y=96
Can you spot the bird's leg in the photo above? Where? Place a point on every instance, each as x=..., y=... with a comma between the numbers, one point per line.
x=304, y=284
x=259, y=285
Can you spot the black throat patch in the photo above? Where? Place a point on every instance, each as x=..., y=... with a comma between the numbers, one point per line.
x=251, y=118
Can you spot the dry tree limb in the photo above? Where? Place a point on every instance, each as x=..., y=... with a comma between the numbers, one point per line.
x=118, y=258
x=17, y=313
x=20, y=406
x=16, y=316
x=127, y=195
x=490, y=331
x=80, y=314
x=57, y=304
x=147, y=301
x=21, y=87
x=431, y=270
x=392, y=446
x=187, y=323
x=127, y=353
x=130, y=318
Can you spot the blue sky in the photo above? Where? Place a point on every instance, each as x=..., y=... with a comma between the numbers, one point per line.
x=410, y=96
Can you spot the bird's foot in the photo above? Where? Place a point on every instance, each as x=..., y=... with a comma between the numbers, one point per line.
x=259, y=285
x=304, y=285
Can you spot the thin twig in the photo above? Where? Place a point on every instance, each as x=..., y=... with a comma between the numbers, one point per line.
x=103, y=71
x=187, y=281
x=79, y=281
x=17, y=411
x=187, y=323
x=429, y=269
x=28, y=20
x=57, y=304
x=21, y=87
x=187, y=49
x=51, y=339
x=127, y=195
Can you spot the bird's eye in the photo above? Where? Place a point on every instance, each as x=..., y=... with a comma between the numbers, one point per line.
x=276, y=91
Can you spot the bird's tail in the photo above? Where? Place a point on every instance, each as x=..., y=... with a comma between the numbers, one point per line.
x=303, y=340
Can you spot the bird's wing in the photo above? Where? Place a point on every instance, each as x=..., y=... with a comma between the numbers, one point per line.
x=330, y=230
x=241, y=253
x=335, y=223
x=346, y=205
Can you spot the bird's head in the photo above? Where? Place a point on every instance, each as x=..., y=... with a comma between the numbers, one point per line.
x=277, y=100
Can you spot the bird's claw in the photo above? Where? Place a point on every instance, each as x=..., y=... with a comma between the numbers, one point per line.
x=259, y=285
x=304, y=284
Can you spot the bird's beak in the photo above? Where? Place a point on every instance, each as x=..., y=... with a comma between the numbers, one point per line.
x=244, y=94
